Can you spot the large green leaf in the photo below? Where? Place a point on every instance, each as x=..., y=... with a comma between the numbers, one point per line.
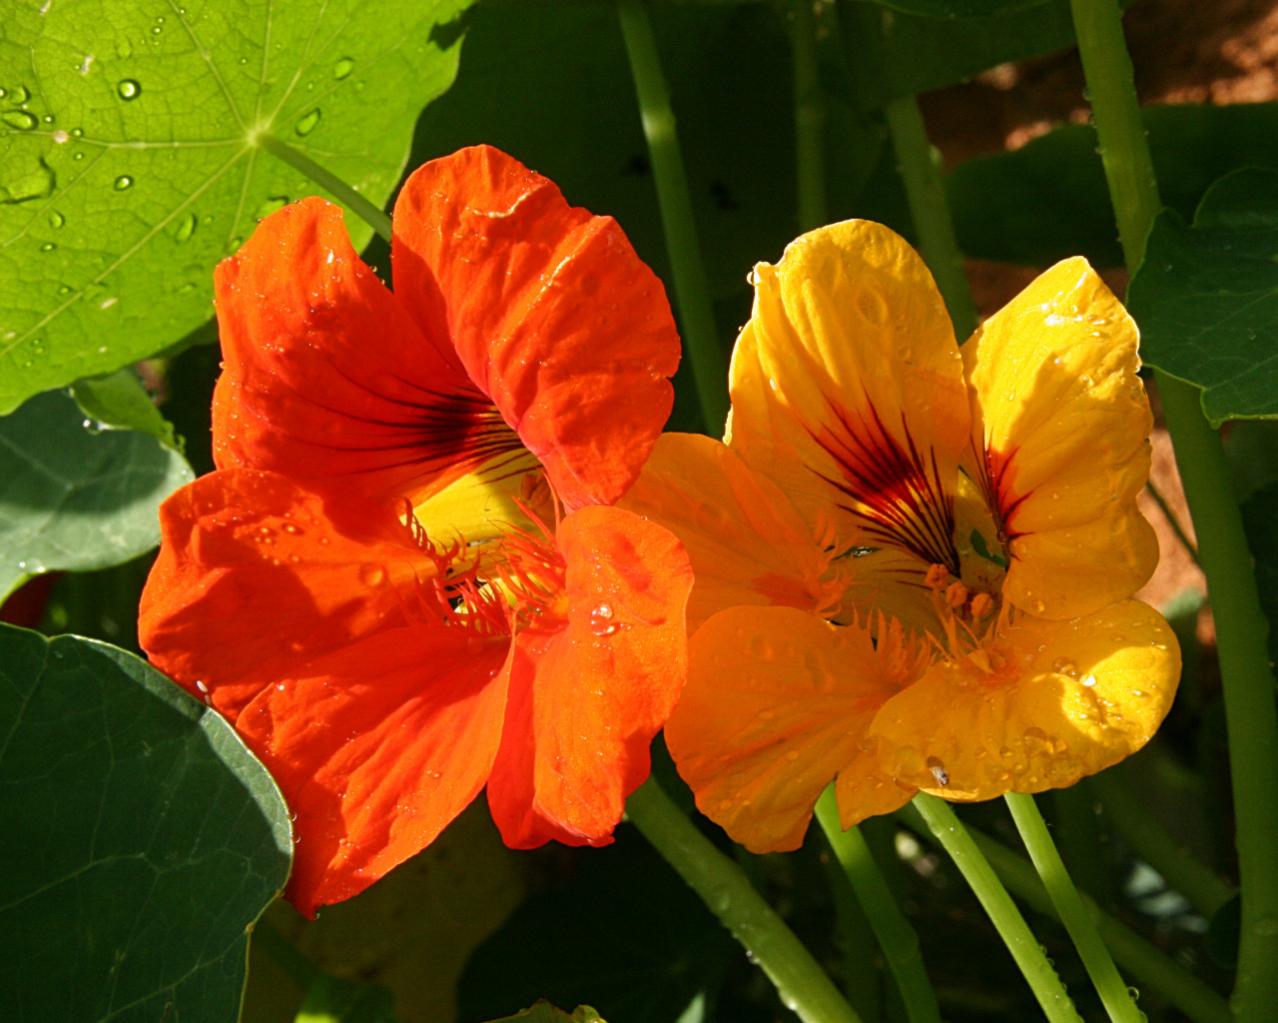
x=1048, y=200
x=1206, y=297
x=73, y=496
x=130, y=157
x=141, y=839
x=913, y=52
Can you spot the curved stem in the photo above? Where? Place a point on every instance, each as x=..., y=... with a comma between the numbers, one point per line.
x=691, y=286
x=1000, y=908
x=1082, y=931
x=802, y=984
x=1151, y=967
x=929, y=210
x=897, y=939
x=1251, y=718
x=351, y=199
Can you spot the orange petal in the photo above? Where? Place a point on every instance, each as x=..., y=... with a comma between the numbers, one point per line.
x=1065, y=423
x=587, y=699
x=376, y=747
x=778, y=702
x=1066, y=699
x=747, y=543
x=550, y=310
x=255, y=576
x=325, y=376
x=847, y=388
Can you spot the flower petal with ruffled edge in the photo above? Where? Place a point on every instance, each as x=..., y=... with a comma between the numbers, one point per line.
x=1066, y=699
x=847, y=389
x=587, y=698
x=746, y=542
x=1065, y=430
x=327, y=379
x=777, y=704
x=549, y=310
x=377, y=746
x=254, y=577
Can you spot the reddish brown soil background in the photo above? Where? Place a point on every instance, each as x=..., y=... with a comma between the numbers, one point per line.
x=1184, y=51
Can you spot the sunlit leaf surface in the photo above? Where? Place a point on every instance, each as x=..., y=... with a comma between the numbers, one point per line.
x=130, y=160
x=140, y=841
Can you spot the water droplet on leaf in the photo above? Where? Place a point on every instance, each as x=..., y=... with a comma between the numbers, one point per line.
x=343, y=68
x=20, y=119
x=307, y=122
x=128, y=88
x=123, y=182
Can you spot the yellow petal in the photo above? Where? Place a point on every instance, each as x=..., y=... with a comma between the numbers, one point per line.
x=747, y=543
x=1066, y=699
x=1065, y=424
x=847, y=385
x=776, y=704
x=488, y=502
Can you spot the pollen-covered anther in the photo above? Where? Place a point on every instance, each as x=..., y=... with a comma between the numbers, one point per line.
x=956, y=595
x=981, y=606
x=936, y=577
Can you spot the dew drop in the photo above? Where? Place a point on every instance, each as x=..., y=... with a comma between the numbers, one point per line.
x=1064, y=666
x=128, y=88
x=123, y=182
x=60, y=136
x=186, y=228
x=270, y=205
x=307, y=122
x=601, y=620
x=372, y=575
x=1088, y=680
x=48, y=247
x=343, y=68
x=21, y=94
x=199, y=684
x=20, y=119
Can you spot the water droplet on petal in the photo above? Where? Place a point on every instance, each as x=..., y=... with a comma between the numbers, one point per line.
x=372, y=575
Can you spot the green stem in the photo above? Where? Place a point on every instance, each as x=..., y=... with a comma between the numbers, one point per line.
x=809, y=116
x=897, y=938
x=925, y=193
x=691, y=286
x=802, y=984
x=1181, y=536
x=1149, y=840
x=1069, y=907
x=855, y=940
x=1000, y=908
x=1145, y=962
x=1251, y=718
x=351, y=199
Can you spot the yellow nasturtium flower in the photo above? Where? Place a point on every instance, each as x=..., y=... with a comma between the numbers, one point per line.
x=913, y=560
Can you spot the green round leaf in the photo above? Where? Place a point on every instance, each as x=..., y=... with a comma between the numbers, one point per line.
x=1206, y=297
x=74, y=496
x=141, y=840
x=130, y=163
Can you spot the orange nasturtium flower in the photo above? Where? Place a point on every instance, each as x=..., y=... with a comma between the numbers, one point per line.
x=913, y=561
x=367, y=586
